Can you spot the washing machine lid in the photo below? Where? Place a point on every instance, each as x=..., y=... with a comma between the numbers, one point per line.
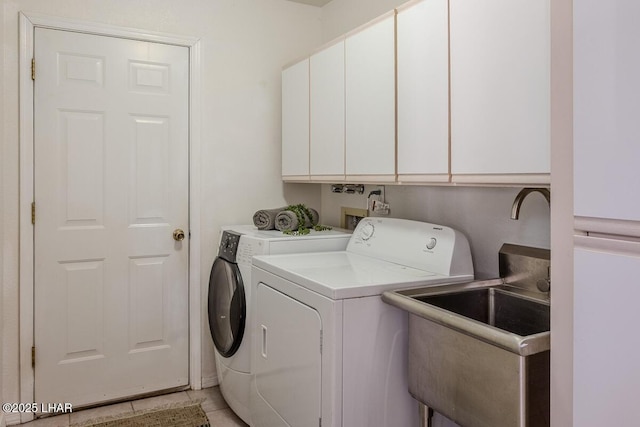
x=227, y=306
x=344, y=274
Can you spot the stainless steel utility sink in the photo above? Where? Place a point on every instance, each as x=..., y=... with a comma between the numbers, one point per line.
x=479, y=352
x=496, y=307
x=518, y=321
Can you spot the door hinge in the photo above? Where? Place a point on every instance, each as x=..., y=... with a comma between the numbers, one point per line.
x=33, y=212
x=33, y=68
x=33, y=357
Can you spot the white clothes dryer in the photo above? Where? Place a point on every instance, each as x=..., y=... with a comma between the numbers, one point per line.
x=229, y=299
x=327, y=350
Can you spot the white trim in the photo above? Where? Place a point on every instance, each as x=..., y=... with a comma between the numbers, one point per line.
x=327, y=178
x=10, y=419
x=514, y=178
x=210, y=381
x=46, y=21
x=296, y=178
x=26, y=228
x=28, y=23
x=371, y=178
x=195, y=246
x=424, y=178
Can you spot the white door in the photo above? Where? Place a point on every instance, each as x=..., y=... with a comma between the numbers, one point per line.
x=111, y=185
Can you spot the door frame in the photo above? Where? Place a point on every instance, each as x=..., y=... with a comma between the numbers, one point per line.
x=27, y=24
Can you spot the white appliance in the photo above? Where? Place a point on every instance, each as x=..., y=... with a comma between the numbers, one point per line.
x=230, y=298
x=601, y=338
x=327, y=350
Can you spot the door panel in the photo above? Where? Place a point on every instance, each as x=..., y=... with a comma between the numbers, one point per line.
x=111, y=185
x=605, y=337
x=289, y=359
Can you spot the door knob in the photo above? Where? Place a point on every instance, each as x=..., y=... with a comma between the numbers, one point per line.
x=178, y=235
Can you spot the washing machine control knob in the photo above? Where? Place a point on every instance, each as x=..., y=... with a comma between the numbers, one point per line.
x=367, y=231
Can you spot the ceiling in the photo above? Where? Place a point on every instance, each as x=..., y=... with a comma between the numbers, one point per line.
x=318, y=3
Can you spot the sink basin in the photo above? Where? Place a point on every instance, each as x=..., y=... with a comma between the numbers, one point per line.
x=501, y=315
x=496, y=307
x=479, y=352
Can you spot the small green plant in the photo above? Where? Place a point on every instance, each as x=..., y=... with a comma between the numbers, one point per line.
x=302, y=213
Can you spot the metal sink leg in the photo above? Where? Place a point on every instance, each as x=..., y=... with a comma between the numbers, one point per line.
x=426, y=415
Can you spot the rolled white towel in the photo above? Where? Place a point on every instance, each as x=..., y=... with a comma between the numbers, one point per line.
x=265, y=219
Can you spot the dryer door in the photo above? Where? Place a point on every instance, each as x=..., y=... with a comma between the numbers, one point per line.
x=288, y=366
x=227, y=307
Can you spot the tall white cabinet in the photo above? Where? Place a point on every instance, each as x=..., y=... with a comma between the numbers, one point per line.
x=295, y=121
x=607, y=212
x=327, y=113
x=423, y=91
x=500, y=90
x=370, y=101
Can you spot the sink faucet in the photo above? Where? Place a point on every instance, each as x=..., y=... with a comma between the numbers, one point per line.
x=517, y=203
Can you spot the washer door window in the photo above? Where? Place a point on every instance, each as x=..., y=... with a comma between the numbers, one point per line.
x=227, y=306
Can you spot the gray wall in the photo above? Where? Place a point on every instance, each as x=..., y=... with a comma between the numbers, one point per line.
x=481, y=213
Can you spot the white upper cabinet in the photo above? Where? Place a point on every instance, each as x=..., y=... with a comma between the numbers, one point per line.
x=606, y=90
x=500, y=90
x=423, y=92
x=295, y=121
x=327, y=113
x=370, y=102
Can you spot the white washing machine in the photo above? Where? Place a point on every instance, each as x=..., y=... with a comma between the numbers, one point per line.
x=230, y=299
x=327, y=350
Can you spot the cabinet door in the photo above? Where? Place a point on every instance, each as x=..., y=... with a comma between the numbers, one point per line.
x=295, y=121
x=606, y=92
x=327, y=113
x=500, y=100
x=370, y=101
x=423, y=91
x=606, y=338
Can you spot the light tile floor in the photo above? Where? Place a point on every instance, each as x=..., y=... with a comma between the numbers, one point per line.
x=213, y=405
